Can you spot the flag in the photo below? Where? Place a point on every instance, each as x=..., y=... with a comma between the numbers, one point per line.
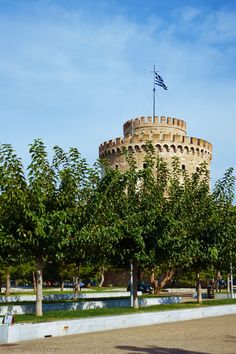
x=159, y=81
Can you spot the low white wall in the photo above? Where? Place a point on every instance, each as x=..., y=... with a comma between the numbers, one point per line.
x=222, y=296
x=18, y=298
x=86, y=305
x=217, y=295
x=21, y=332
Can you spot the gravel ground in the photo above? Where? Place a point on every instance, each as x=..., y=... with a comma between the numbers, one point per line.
x=208, y=335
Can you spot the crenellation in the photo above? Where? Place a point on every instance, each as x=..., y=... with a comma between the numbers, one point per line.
x=186, y=140
x=163, y=119
x=202, y=142
x=118, y=141
x=175, y=121
x=168, y=136
x=142, y=120
x=156, y=120
x=177, y=126
x=110, y=143
x=179, y=122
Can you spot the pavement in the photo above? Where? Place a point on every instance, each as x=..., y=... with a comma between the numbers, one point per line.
x=212, y=335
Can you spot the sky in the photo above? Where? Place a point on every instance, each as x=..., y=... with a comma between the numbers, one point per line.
x=73, y=71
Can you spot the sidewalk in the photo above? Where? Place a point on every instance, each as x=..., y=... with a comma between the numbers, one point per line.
x=29, y=331
x=201, y=336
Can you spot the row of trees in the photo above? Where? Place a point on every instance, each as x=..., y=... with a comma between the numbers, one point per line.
x=68, y=212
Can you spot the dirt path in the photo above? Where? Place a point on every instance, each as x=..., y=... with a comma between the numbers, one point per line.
x=209, y=335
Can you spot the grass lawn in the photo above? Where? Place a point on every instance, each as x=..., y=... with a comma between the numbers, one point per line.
x=75, y=314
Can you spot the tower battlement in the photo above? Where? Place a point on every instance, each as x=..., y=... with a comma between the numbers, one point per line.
x=160, y=124
x=141, y=139
x=166, y=134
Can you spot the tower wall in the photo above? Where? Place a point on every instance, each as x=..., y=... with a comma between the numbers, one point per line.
x=168, y=136
x=162, y=124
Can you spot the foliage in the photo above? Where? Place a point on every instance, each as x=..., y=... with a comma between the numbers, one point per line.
x=43, y=216
x=12, y=204
x=191, y=215
x=225, y=235
x=65, y=213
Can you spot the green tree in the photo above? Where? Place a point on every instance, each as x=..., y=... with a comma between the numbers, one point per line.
x=43, y=216
x=12, y=206
x=126, y=207
x=77, y=183
x=225, y=234
x=37, y=234
x=58, y=197
x=192, y=223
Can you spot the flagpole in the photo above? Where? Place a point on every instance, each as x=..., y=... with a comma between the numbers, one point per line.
x=154, y=95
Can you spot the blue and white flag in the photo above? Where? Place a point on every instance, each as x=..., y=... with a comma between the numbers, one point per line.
x=159, y=81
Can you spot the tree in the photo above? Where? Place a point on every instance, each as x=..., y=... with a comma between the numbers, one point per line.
x=225, y=234
x=58, y=195
x=44, y=216
x=77, y=183
x=125, y=221
x=37, y=234
x=158, y=216
x=12, y=206
x=193, y=217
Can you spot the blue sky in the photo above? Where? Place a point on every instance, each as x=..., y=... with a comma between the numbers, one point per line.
x=73, y=71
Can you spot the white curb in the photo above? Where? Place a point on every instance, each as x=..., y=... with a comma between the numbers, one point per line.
x=29, y=331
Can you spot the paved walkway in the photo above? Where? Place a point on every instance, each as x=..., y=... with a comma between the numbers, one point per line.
x=209, y=335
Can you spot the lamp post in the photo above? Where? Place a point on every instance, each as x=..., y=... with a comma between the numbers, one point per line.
x=231, y=281
x=131, y=284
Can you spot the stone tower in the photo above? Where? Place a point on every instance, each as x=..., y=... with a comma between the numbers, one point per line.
x=168, y=136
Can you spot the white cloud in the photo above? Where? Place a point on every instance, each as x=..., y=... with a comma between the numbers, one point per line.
x=188, y=14
x=219, y=27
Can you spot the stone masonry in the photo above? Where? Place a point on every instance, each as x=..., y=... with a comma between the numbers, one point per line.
x=168, y=136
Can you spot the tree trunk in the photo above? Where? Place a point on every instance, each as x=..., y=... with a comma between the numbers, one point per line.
x=34, y=281
x=102, y=277
x=62, y=285
x=218, y=280
x=135, y=286
x=167, y=276
x=139, y=274
x=228, y=284
x=8, y=282
x=76, y=284
x=39, y=287
x=199, y=288
x=154, y=282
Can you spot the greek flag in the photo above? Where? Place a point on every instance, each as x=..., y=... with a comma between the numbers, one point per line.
x=159, y=81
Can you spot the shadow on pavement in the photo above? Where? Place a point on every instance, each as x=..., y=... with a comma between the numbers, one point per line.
x=156, y=350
